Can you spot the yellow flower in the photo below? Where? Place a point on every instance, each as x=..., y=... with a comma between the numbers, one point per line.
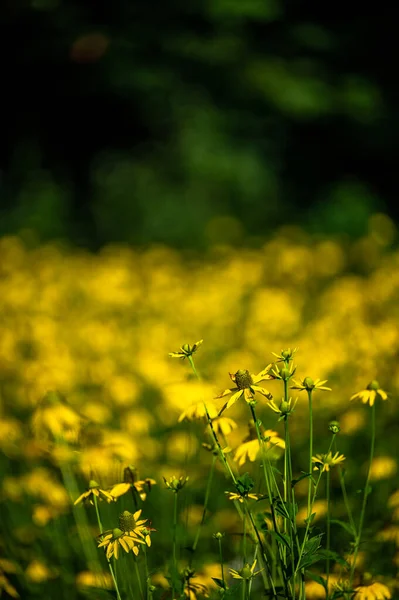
x=175, y=484
x=55, y=418
x=223, y=425
x=246, y=385
x=324, y=462
x=118, y=538
x=250, y=448
x=285, y=355
x=383, y=467
x=375, y=591
x=38, y=572
x=240, y=497
x=370, y=394
x=95, y=579
x=140, y=487
x=186, y=350
x=285, y=409
x=198, y=411
x=389, y=534
x=94, y=490
x=307, y=383
x=131, y=524
x=192, y=590
x=246, y=573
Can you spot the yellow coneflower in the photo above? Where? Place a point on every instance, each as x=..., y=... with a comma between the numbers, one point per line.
x=131, y=524
x=370, y=394
x=246, y=386
x=96, y=579
x=389, y=534
x=325, y=462
x=193, y=590
x=383, y=467
x=38, y=572
x=198, y=411
x=308, y=384
x=186, y=350
x=175, y=484
x=375, y=591
x=116, y=538
x=284, y=409
x=94, y=490
x=246, y=573
x=285, y=355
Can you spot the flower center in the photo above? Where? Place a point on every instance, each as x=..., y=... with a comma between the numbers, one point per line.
x=243, y=379
x=127, y=522
x=373, y=385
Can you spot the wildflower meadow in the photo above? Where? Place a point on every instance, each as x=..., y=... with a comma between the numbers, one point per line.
x=181, y=426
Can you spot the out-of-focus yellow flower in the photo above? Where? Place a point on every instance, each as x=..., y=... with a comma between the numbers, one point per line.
x=375, y=591
x=308, y=384
x=324, y=462
x=7, y=566
x=38, y=572
x=186, y=350
x=174, y=484
x=94, y=490
x=192, y=590
x=43, y=514
x=246, y=385
x=389, y=534
x=101, y=580
x=370, y=394
x=250, y=449
x=54, y=418
x=319, y=507
x=246, y=573
x=141, y=487
x=383, y=467
x=117, y=538
x=224, y=425
x=352, y=421
x=198, y=411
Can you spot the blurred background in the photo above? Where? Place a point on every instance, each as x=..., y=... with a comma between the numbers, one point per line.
x=185, y=122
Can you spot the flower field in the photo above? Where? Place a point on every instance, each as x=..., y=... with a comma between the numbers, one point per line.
x=133, y=466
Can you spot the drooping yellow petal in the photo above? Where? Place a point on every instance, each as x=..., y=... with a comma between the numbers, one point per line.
x=264, y=374
x=119, y=489
x=226, y=392
x=262, y=391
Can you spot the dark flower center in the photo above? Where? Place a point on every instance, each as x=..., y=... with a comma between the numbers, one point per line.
x=243, y=379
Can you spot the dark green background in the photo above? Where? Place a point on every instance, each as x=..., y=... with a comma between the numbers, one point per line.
x=266, y=111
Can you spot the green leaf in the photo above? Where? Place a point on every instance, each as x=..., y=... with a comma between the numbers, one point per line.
x=304, y=476
x=312, y=544
x=333, y=556
x=281, y=537
x=310, y=519
x=244, y=484
x=282, y=509
x=344, y=525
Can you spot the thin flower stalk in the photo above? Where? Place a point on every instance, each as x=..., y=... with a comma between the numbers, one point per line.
x=365, y=496
x=328, y=541
x=206, y=500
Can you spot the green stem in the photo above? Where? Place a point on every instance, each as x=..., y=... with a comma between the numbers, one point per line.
x=244, y=538
x=345, y=496
x=136, y=567
x=111, y=569
x=328, y=532
x=174, y=576
x=310, y=450
x=263, y=552
x=365, y=496
x=221, y=562
x=305, y=539
x=147, y=575
x=207, y=494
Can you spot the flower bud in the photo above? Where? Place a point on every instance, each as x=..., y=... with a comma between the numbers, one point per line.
x=334, y=427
